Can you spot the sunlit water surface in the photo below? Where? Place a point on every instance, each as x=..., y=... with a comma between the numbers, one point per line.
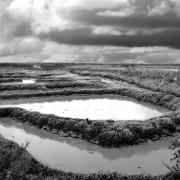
x=96, y=109
x=28, y=81
x=24, y=81
x=79, y=156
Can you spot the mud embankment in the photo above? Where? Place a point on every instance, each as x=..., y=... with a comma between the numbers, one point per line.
x=161, y=99
x=149, y=84
x=104, y=133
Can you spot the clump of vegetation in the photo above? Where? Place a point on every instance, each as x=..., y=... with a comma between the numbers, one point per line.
x=104, y=133
x=57, y=85
x=174, y=167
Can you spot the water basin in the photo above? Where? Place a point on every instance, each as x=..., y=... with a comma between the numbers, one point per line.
x=75, y=155
x=98, y=108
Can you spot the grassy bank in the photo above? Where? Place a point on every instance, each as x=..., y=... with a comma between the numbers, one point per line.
x=161, y=99
x=45, y=86
x=104, y=133
x=9, y=80
x=162, y=81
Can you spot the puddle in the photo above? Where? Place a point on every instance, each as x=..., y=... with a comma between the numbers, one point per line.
x=28, y=81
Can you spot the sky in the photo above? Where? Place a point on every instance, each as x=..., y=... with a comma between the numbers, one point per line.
x=93, y=31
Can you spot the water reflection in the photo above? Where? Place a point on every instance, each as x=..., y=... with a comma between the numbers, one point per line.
x=79, y=156
x=96, y=109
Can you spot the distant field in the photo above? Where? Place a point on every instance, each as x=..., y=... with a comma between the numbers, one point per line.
x=154, y=85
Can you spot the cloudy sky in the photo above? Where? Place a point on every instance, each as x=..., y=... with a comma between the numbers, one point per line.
x=102, y=31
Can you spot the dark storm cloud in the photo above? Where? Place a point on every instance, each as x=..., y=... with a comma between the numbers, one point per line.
x=83, y=36
x=90, y=17
x=151, y=22
x=164, y=26
x=91, y=30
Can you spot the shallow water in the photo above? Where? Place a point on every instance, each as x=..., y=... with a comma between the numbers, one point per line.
x=79, y=156
x=28, y=81
x=110, y=82
x=24, y=81
x=109, y=108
